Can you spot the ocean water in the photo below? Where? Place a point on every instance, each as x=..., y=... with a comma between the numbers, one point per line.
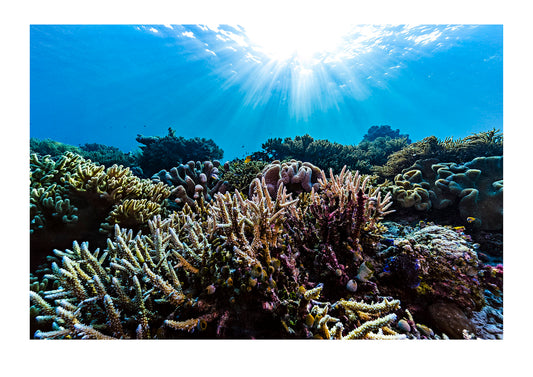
x=240, y=85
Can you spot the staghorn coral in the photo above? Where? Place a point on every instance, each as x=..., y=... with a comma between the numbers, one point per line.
x=193, y=181
x=179, y=255
x=331, y=227
x=220, y=276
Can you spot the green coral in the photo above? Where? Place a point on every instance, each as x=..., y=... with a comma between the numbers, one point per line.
x=107, y=155
x=52, y=148
x=240, y=174
x=50, y=204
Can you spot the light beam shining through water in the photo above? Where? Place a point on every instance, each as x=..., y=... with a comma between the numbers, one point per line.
x=255, y=81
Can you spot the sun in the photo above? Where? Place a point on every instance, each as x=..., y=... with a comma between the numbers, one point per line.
x=302, y=40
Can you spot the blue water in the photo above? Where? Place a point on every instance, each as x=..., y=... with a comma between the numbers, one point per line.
x=106, y=84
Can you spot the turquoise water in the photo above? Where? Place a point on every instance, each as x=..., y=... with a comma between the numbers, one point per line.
x=106, y=84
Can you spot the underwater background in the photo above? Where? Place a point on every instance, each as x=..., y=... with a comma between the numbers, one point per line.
x=241, y=85
x=222, y=182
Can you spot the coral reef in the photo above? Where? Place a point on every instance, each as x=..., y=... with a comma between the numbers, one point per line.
x=192, y=181
x=117, y=191
x=72, y=196
x=50, y=205
x=221, y=277
x=332, y=227
x=476, y=188
x=98, y=153
x=52, y=148
x=162, y=153
x=107, y=155
x=304, y=255
x=327, y=155
x=482, y=144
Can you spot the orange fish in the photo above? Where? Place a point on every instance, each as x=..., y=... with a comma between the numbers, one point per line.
x=470, y=219
x=247, y=159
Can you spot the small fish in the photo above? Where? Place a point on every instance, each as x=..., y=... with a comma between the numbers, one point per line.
x=247, y=159
x=470, y=219
x=459, y=228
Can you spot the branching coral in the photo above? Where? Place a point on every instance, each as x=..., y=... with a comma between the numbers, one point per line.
x=376, y=132
x=194, y=274
x=373, y=150
x=331, y=226
x=350, y=319
x=49, y=193
x=129, y=200
x=72, y=198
